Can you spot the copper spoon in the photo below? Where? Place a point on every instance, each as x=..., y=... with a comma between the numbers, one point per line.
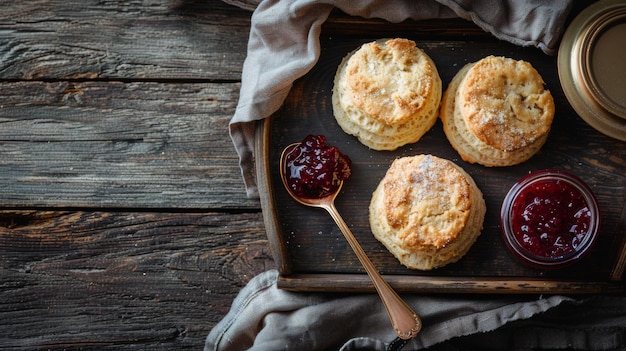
x=404, y=321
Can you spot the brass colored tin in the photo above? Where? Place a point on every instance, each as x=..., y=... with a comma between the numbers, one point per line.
x=592, y=66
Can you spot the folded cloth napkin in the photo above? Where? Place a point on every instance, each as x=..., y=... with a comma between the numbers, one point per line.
x=284, y=45
x=263, y=317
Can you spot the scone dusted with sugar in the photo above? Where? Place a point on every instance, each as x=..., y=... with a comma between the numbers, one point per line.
x=387, y=93
x=496, y=112
x=427, y=211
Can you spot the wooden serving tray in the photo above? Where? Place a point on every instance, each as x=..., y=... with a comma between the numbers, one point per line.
x=311, y=252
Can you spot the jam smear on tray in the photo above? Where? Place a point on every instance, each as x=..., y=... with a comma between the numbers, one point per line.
x=315, y=170
x=550, y=218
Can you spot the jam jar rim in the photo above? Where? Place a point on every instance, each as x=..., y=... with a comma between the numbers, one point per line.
x=540, y=261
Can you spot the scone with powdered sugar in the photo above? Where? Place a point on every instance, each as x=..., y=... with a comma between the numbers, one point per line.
x=387, y=93
x=496, y=112
x=427, y=211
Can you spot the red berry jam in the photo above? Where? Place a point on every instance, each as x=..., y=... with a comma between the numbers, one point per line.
x=549, y=218
x=315, y=170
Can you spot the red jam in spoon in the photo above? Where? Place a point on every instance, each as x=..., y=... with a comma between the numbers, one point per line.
x=315, y=170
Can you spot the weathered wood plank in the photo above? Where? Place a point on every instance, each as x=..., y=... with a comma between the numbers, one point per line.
x=355, y=283
x=124, y=281
x=160, y=39
x=244, y=4
x=114, y=144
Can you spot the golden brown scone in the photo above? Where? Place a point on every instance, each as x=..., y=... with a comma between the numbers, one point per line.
x=387, y=93
x=427, y=211
x=496, y=112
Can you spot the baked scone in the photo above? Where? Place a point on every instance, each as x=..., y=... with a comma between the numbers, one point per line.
x=387, y=93
x=427, y=211
x=496, y=112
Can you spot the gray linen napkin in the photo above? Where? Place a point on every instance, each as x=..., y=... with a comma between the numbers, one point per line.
x=263, y=317
x=284, y=45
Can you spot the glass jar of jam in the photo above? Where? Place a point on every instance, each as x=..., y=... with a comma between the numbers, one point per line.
x=549, y=219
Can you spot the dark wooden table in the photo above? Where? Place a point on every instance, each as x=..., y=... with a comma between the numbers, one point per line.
x=124, y=222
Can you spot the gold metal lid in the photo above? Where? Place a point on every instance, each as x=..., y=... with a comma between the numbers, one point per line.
x=592, y=66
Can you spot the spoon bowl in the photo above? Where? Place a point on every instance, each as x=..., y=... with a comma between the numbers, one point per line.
x=404, y=320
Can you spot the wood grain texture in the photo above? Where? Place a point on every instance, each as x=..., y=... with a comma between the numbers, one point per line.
x=162, y=39
x=119, y=144
x=355, y=283
x=128, y=280
x=123, y=218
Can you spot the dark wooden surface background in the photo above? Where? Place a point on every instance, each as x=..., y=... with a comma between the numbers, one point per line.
x=123, y=222
x=123, y=218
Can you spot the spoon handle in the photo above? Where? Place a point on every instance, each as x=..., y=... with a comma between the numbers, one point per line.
x=404, y=321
